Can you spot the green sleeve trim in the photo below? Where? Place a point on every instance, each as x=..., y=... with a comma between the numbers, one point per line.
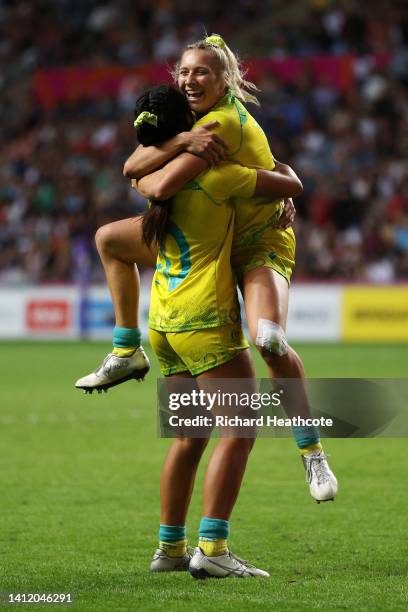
x=194, y=185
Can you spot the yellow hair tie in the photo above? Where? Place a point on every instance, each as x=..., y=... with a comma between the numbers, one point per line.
x=216, y=40
x=145, y=117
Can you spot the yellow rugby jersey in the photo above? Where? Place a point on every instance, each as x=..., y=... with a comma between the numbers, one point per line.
x=247, y=145
x=193, y=285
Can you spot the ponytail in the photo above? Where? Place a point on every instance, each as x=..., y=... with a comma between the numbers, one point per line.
x=154, y=223
x=160, y=113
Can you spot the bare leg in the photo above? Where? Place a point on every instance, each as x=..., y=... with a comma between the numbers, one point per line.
x=229, y=458
x=120, y=247
x=177, y=479
x=224, y=475
x=266, y=295
x=222, y=481
x=226, y=466
x=179, y=472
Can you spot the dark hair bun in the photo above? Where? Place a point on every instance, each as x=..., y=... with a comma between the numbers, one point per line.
x=171, y=108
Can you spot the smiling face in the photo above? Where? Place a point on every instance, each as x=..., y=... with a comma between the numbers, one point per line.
x=201, y=79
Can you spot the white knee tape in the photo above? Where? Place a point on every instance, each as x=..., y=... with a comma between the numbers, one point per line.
x=271, y=337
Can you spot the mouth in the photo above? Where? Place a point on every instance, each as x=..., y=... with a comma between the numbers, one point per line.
x=194, y=96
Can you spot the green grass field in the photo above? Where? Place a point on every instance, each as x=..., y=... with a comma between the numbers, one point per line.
x=79, y=497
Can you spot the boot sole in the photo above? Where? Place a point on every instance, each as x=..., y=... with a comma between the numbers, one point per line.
x=201, y=574
x=136, y=375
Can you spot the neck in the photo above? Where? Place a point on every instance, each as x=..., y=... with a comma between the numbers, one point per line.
x=199, y=115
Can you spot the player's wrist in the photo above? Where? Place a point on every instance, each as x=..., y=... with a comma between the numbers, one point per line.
x=182, y=141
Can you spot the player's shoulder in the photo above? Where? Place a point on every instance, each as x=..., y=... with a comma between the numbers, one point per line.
x=225, y=112
x=227, y=179
x=226, y=120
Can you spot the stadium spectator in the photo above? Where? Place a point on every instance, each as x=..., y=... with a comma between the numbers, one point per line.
x=60, y=175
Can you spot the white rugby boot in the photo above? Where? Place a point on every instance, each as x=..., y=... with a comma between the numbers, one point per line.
x=322, y=482
x=222, y=566
x=114, y=371
x=163, y=563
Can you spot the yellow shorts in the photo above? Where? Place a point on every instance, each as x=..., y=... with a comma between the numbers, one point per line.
x=275, y=249
x=198, y=350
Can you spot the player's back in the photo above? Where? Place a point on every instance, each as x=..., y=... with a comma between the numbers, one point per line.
x=194, y=286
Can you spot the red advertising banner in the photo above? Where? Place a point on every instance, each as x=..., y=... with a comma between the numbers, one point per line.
x=48, y=315
x=75, y=83
x=336, y=71
x=57, y=85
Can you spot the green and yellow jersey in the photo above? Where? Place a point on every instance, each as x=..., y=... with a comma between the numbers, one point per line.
x=193, y=285
x=255, y=234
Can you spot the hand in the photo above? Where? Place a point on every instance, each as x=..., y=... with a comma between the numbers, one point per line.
x=288, y=214
x=204, y=143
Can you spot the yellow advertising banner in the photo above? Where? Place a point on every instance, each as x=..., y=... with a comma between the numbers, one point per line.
x=375, y=314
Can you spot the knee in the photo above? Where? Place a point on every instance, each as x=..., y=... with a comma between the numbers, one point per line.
x=105, y=239
x=271, y=342
x=273, y=360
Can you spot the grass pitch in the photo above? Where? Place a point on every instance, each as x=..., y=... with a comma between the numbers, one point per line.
x=79, y=497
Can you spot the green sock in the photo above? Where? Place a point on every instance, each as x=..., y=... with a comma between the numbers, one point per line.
x=173, y=540
x=213, y=536
x=125, y=340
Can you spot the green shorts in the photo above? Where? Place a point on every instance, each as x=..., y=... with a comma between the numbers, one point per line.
x=198, y=350
x=276, y=250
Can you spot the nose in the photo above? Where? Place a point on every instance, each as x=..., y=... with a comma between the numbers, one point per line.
x=189, y=78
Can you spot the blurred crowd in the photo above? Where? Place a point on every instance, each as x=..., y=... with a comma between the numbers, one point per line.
x=61, y=168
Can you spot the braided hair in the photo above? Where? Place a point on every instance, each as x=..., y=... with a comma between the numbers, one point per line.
x=172, y=116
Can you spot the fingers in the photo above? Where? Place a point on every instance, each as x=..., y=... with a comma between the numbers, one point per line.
x=286, y=226
x=214, y=156
x=207, y=145
x=206, y=155
x=215, y=137
x=215, y=146
x=283, y=224
x=211, y=151
x=219, y=151
x=210, y=125
x=220, y=141
x=286, y=223
x=288, y=215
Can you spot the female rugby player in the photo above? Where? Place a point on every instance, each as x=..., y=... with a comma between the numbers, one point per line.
x=195, y=331
x=262, y=253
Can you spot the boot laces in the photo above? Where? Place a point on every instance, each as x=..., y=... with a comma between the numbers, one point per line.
x=317, y=464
